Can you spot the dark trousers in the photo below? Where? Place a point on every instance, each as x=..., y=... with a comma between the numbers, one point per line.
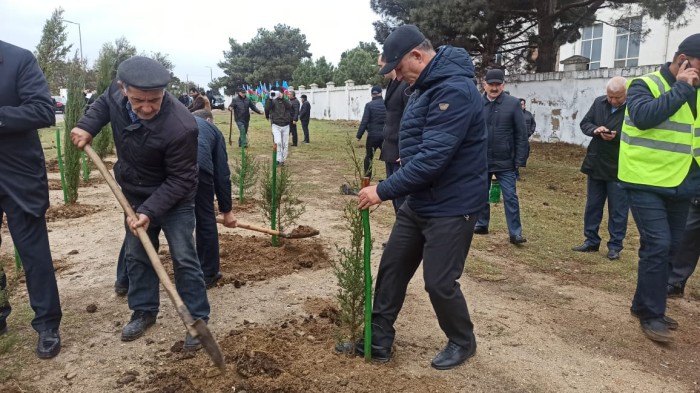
x=242, y=131
x=30, y=236
x=392, y=167
x=686, y=258
x=206, y=231
x=442, y=244
x=597, y=192
x=370, y=147
x=293, y=131
x=661, y=221
x=305, y=128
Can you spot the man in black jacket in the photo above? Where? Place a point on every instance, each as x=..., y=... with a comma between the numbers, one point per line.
x=372, y=122
x=280, y=112
x=603, y=123
x=241, y=106
x=506, y=153
x=156, y=138
x=295, y=117
x=395, y=100
x=25, y=106
x=305, y=116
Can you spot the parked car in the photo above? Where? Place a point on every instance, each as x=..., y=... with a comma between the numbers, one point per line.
x=217, y=102
x=59, y=104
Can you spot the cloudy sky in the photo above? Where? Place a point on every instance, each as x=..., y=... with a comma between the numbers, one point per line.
x=193, y=33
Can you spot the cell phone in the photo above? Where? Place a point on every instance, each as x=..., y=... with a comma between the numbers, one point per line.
x=607, y=132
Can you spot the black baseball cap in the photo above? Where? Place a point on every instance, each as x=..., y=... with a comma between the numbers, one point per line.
x=376, y=89
x=495, y=76
x=398, y=44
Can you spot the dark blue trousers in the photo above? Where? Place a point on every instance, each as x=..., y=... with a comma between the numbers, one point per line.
x=598, y=191
x=686, y=258
x=206, y=231
x=391, y=168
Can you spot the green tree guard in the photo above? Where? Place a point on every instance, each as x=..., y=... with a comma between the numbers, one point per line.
x=368, y=278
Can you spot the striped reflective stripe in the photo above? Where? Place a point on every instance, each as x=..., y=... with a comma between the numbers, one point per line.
x=696, y=152
x=667, y=125
x=658, y=145
x=659, y=83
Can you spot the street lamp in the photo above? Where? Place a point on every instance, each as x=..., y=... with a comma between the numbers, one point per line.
x=211, y=75
x=80, y=37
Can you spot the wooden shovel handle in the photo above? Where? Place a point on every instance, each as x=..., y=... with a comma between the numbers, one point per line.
x=252, y=227
x=146, y=241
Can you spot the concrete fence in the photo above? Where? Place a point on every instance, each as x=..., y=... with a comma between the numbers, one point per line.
x=558, y=100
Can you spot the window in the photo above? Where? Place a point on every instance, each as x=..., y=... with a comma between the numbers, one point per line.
x=627, y=43
x=591, y=44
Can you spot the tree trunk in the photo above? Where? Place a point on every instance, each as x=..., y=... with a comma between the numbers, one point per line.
x=547, y=48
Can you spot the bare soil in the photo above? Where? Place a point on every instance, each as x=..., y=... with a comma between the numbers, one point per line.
x=275, y=317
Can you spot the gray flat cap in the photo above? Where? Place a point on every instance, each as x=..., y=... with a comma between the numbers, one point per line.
x=143, y=73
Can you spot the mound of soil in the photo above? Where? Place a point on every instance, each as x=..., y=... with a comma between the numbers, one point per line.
x=63, y=212
x=253, y=258
x=297, y=356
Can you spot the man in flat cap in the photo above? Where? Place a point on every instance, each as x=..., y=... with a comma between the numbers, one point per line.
x=442, y=148
x=658, y=168
x=373, y=122
x=156, y=138
x=507, y=151
x=25, y=106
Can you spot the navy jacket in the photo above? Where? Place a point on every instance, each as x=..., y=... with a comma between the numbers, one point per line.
x=530, y=123
x=373, y=119
x=442, y=141
x=395, y=100
x=213, y=160
x=602, y=156
x=295, y=107
x=508, y=147
x=25, y=106
x=157, y=166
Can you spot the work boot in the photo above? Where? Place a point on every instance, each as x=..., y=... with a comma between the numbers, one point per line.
x=140, y=321
x=656, y=329
x=121, y=290
x=49, y=344
x=585, y=247
x=191, y=344
x=674, y=291
x=517, y=239
x=211, y=282
x=379, y=354
x=481, y=231
x=670, y=322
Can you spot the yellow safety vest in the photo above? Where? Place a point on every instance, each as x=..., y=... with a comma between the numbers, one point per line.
x=659, y=156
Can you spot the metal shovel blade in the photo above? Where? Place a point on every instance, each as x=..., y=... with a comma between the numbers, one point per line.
x=209, y=344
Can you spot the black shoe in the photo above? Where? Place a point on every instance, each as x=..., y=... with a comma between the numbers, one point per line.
x=452, y=356
x=481, y=230
x=379, y=354
x=211, y=282
x=674, y=291
x=121, y=290
x=656, y=330
x=613, y=255
x=49, y=344
x=671, y=323
x=191, y=344
x=140, y=321
x=3, y=327
x=585, y=247
x=517, y=239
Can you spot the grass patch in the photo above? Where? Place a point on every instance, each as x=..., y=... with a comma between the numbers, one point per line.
x=481, y=269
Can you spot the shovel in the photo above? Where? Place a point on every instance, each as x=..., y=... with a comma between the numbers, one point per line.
x=197, y=328
x=300, y=233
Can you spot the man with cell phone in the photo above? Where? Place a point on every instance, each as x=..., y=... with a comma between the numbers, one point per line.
x=658, y=168
x=603, y=123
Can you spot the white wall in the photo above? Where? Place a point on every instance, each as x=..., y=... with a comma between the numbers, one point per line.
x=658, y=47
x=559, y=100
x=337, y=103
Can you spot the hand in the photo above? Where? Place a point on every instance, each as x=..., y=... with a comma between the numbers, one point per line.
x=229, y=219
x=600, y=130
x=368, y=197
x=688, y=74
x=142, y=222
x=80, y=137
x=608, y=136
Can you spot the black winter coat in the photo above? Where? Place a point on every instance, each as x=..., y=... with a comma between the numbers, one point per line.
x=241, y=108
x=395, y=100
x=505, y=123
x=373, y=119
x=157, y=166
x=305, y=111
x=279, y=111
x=530, y=123
x=602, y=156
x=25, y=106
x=295, y=107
